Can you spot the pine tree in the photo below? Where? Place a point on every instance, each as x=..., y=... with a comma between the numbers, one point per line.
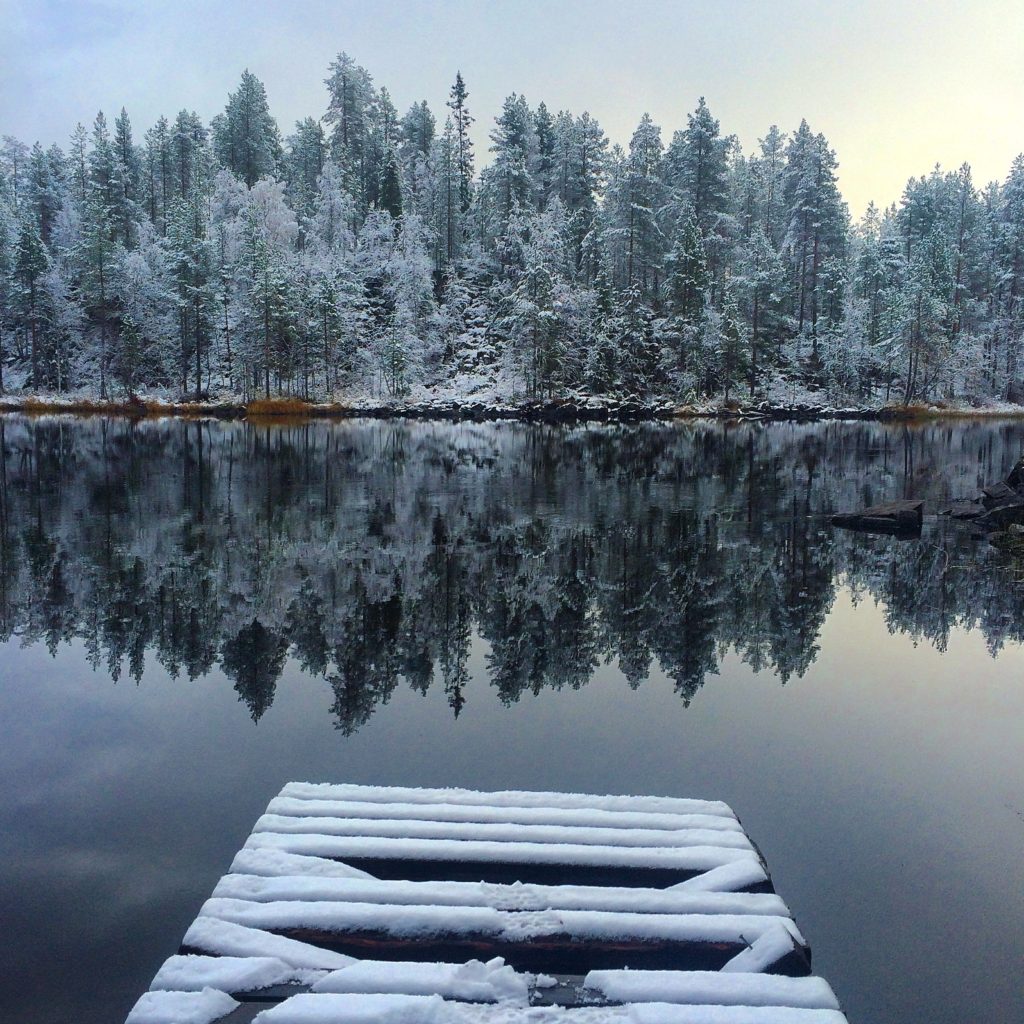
x=445, y=199
x=188, y=156
x=128, y=156
x=304, y=163
x=14, y=167
x=8, y=247
x=390, y=189
x=30, y=262
x=107, y=179
x=514, y=142
x=45, y=191
x=1009, y=326
x=352, y=98
x=769, y=172
x=461, y=120
x=544, y=162
x=65, y=327
x=245, y=138
x=579, y=171
x=817, y=223
x=416, y=132
x=159, y=187
x=79, y=171
x=696, y=164
x=637, y=203
x=269, y=327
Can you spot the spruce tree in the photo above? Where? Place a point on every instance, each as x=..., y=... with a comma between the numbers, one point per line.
x=349, y=113
x=390, y=188
x=461, y=120
x=30, y=261
x=246, y=138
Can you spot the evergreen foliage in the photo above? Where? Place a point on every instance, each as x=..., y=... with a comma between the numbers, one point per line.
x=364, y=257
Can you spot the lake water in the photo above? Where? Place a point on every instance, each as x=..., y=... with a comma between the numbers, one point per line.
x=192, y=615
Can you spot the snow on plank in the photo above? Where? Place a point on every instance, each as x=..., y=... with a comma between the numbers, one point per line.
x=353, y=903
x=262, y=889
x=704, y=988
x=406, y=828
x=504, y=798
x=506, y=861
x=408, y=921
x=565, y=942
x=323, y=1008
x=508, y=813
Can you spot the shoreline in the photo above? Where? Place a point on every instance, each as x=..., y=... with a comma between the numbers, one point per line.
x=548, y=411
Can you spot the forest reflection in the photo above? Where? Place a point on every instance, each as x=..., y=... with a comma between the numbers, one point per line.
x=376, y=553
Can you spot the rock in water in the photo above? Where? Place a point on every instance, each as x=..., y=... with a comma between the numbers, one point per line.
x=998, y=494
x=964, y=510
x=893, y=517
x=1016, y=477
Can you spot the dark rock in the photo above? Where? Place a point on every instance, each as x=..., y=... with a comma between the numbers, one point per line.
x=893, y=517
x=1001, y=516
x=964, y=510
x=1016, y=478
x=998, y=494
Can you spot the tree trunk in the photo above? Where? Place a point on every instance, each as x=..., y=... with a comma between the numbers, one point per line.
x=199, y=350
x=753, y=340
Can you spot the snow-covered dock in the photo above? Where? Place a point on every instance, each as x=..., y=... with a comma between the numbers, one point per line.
x=355, y=904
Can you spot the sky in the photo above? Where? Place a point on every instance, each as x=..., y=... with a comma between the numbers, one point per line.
x=895, y=85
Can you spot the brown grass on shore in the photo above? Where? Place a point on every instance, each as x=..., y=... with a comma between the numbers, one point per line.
x=919, y=412
x=278, y=407
x=133, y=407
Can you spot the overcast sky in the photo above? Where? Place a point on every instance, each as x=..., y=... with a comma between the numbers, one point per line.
x=895, y=85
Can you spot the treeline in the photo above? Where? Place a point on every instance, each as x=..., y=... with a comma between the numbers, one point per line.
x=364, y=255
x=380, y=554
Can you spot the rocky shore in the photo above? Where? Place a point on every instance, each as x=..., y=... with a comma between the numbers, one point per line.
x=553, y=410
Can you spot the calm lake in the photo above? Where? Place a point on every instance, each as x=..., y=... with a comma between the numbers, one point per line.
x=193, y=614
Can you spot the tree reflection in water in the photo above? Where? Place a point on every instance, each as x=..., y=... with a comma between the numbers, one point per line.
x=374, y=553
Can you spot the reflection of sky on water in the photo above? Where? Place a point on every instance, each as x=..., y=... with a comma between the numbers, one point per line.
x=884, y=788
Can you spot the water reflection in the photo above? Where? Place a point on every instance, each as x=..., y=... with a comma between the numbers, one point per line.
x=376, y=553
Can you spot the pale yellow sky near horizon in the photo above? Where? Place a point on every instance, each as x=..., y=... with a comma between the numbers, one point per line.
x=896, y=86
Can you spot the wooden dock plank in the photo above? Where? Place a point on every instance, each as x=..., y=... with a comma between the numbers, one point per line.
x=585, y=816
x=383, y=848
x=408, y=828
x=262, y=889
x=411, y=921
x=324, y=1008
x=354, y=904
x=502, y=798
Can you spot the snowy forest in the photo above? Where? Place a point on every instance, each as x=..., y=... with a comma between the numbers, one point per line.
x=381, y=553
x=373, y=254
